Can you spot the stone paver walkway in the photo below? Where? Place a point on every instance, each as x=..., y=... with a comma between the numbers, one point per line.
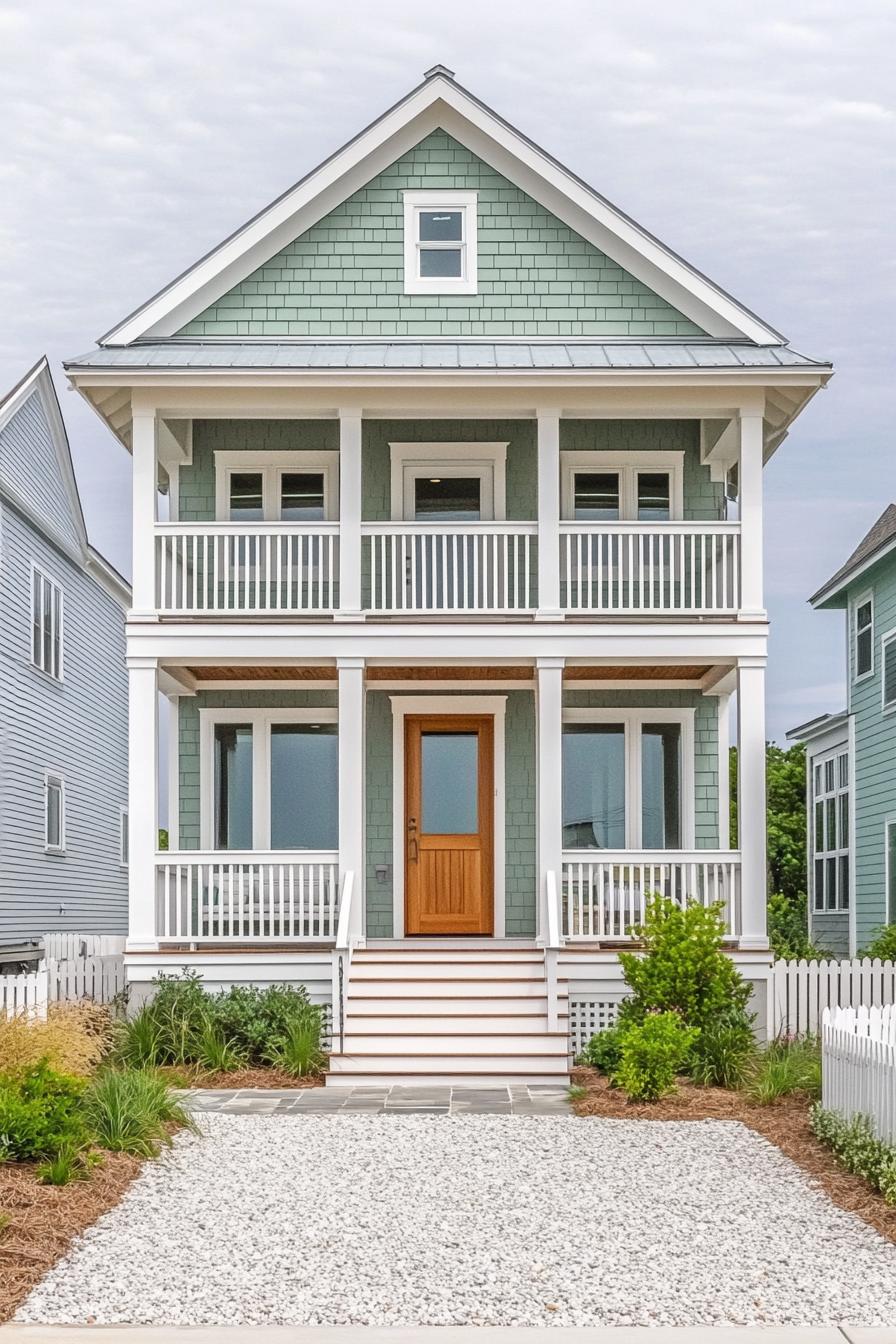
x=404, y=1100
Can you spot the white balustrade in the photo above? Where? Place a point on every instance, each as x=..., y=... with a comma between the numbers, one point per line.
x=666, y=568
x=259, y=569
x=247, y=898
x=450, y=567
x=605, y=894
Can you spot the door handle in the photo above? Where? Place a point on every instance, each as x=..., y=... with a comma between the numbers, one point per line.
x=412, y=839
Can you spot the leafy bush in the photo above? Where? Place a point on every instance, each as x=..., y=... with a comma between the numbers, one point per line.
x=855, y=1144
x=297, y=1050
x=788, y=925
x=604, y=1050
x=129, y=1111
x=653, y=1053
x=783, y=1067
x=215, y=1052
x=40, y=1113
x=721, y=1054
x=72, y=1039
x=883, y=944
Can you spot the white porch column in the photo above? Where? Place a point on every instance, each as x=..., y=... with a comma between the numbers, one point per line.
x=751, y=802
x=143, y=807
x=350, y=672
x=750, y=493
x=349, y=515
x=143, y=513
x=549, y=772
x=548, y=515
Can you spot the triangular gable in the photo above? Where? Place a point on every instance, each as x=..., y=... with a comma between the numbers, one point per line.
x=36, y=470
x=345, y=275
x=441, y=104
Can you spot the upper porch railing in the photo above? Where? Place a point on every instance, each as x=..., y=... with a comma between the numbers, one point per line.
x=448, y=569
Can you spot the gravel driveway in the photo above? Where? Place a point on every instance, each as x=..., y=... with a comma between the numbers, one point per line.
x=327, y=1220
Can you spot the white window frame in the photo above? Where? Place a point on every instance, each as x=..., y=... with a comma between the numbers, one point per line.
x=627, y=466
x=261, y=721
x=124, y=837
x=38, y=572
x=861, y=601
x=56, y=779
x=887, y=706
x=410, y=461
x=271, y=466
x=889, y=821
x=843, y=850
x=633, y=720
x=466, y=203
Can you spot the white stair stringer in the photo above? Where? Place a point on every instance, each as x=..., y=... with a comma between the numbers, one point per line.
x=429, y=1015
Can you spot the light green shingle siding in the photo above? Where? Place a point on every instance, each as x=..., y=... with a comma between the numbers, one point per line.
x=345, y=275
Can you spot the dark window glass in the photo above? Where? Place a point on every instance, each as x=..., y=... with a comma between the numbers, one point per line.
x=844, y=882
x=441, y=226
x=447, y=498
x=304, y=786
x=661, y=786
x=831, y=842
x=438, y=263
x=246, y=496
x=596, y=496
x=594, y=786
x=449, y=783
x=301, y=496
x=890, y=672
x=819, y=884
x=653, y=496
x=863, y=639
x=233, y=786
x=830, y=881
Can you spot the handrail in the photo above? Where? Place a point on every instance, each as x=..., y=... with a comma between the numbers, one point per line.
x=552, y=947
x=679, y=526
x=342, y=955
x=400, y=529
x=226, y=529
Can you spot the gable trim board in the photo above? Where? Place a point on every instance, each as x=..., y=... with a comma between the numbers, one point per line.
x=440, y=103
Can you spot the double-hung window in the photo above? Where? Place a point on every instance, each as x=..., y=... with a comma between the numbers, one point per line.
x=888, y=666
x=600, y=487
x=54, y=813
x=440, y=237
x=259, y=487
x=830, y=832
x=46, y=624
x=863, y=636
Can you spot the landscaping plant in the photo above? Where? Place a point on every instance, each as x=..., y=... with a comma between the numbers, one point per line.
x=131, y=1111
x=883, y=944
x=297, y=1049
x=788, y=929
x=856, y=1146
x=72, y=1039
x=654, y=1052
x=782, y=1067
x=40, y=1113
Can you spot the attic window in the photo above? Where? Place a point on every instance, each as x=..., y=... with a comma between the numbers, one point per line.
x=440, y=242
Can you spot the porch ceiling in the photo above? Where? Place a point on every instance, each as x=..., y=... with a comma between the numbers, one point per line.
x=460, y=673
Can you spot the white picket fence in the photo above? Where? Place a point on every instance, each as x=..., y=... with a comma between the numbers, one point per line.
x=801, y=990
x=858, y=1065
x=25, y=994
x=72, y=946
x=76, y=966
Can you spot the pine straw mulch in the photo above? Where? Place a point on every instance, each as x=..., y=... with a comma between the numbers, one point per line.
x=39, y=1221
x=784, y=1123
x=237, y=1080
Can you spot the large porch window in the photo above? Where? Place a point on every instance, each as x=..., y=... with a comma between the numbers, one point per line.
x=601, y=487
x=269, y=779
x=627, y=779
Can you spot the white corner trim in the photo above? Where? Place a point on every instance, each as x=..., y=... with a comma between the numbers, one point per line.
x=403, y=705
x=851, y=748
x=466, y=203
x=723, y=730
x=488, y=461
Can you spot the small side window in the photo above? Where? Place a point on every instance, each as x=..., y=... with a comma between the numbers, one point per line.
x=54, y=814
x=864, y=637
x=46, y=624
x=440, y=231
x=888, y=655
x=124, y=839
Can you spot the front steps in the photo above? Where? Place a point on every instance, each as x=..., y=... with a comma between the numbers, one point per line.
x=449, y=1014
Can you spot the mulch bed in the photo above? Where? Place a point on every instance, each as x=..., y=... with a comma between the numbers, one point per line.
x=181, y=1076
x=784, y=1123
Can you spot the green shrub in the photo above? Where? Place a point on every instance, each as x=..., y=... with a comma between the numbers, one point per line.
x=68, y=1164
x=40, y=1113
x=604, y=1049
x=129, y=1111
x=783, y=1067
x=856, y=1146
x=653, y=1054
x=788, y=925
x=297, y=1049
x=883, y=944
x=215, y=1052
x=724, y=1047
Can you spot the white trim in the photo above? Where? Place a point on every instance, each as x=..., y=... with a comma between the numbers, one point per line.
x=174, y=770
x=271, y=465
x=889, y=820
x=402, y=705
x=56, y=779
x=723, y=730
x=627, y=465
x=830, y=755
x=488, y=461
x=466, y=203
x=860, y=601
x=851, y=748
x=124, y=838
x=57, y=621
x=633, y=720
x=261, y=721
x=440, y=103
x=887, y=706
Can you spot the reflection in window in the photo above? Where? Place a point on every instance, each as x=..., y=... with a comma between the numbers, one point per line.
x=594, y=786
x=439, y=499
x=246, y=496
x=233, y=786
x=304, y=786
x=654, y=504
x=449, y=765
x=443, y=231
x=596, y=496
x=301, y=496
x=661, y=786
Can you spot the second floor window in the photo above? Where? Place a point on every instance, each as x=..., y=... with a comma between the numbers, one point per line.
x=830, y=832
x=864, y=636
x=277, y=487
x=46, y=624
x=603, y=488
x=440, y=242
x=888, y=661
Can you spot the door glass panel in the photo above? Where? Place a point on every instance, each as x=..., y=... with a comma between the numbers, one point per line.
x=246, y=496
x=233, y=786
x=594, y=786
x=596, y=496
x=449, y=766
x=304, y=786
x=661, y=786
x=439, y=499
x=301, y=496
x=653, y=496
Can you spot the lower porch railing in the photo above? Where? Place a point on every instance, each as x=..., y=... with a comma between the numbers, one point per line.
x=605, y=894
x=254, y=898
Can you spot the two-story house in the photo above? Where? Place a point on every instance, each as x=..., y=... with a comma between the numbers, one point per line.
x=459, y=567
x=63, y=692
x=851, y=757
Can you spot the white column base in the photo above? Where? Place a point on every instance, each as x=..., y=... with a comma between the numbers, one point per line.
x=549, y=614
x=343, y=616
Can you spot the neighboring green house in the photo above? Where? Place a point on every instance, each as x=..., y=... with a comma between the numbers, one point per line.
x=851, y=757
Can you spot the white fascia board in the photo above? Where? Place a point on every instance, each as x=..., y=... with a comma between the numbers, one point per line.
x=442, y=104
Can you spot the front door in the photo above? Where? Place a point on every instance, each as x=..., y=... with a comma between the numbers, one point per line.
x=449, y=824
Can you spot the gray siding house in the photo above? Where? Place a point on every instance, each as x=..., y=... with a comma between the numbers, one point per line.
x=63, y=692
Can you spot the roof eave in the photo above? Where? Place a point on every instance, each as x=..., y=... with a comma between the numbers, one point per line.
x=832, y=596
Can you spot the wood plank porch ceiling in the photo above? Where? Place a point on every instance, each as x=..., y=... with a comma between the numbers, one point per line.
x=665, y=672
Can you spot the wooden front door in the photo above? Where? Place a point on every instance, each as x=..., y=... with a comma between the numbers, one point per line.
x=449, y=824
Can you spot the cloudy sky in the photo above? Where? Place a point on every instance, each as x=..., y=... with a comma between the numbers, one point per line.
x=758, y=141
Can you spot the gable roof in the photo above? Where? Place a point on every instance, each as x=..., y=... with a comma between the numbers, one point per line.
x=69, y=533
x=441, y=103
x=877, y=542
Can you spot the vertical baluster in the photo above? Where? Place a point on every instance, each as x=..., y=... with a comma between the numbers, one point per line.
x=302, y=900
x=393, y=551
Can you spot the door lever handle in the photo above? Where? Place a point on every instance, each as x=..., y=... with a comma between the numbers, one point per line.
x=412, y=849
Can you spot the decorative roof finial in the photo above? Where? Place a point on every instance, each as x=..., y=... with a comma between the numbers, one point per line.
x=439, y=70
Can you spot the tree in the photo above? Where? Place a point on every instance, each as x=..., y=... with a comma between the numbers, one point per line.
x=786, y=817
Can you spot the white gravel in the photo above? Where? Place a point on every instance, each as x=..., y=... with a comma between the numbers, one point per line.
x=404, y=1221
